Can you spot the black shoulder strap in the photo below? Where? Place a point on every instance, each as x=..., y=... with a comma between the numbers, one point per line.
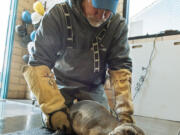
x=96, y=43
x=69, y=37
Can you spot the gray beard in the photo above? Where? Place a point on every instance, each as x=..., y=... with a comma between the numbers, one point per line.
x=95, y=24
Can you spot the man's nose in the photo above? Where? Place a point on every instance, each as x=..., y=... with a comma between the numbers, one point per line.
x=101, y=14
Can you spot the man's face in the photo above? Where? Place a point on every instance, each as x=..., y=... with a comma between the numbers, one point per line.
x=95, y=16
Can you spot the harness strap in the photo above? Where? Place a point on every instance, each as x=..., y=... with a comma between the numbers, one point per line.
x=69, y=38
x=96, y=56
x=95, y=43
x=96, y=46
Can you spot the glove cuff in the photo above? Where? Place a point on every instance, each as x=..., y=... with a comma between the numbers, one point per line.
x=125, y=118
x=121, y=83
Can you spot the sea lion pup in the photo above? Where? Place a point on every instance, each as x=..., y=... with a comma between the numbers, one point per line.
x=91, y=118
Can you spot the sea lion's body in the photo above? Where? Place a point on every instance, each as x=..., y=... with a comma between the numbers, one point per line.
x=91, y=118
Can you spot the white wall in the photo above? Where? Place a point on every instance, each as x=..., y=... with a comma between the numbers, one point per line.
x=159, y=96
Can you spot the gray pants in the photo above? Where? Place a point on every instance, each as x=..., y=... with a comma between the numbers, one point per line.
x=95, y=94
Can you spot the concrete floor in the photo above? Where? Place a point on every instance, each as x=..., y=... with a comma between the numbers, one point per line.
x=21, y=115
x=153, y=126
x=15, y=116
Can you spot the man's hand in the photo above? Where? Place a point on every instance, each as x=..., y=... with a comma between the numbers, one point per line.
x=57, y=120
x=127, y=129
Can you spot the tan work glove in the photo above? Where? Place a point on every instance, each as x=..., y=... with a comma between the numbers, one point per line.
x=121, y=83
x=42, y=83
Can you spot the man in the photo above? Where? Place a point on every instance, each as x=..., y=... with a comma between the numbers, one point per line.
x=76, y=43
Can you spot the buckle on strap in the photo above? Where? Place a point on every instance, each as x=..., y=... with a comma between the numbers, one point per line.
x=96, y=57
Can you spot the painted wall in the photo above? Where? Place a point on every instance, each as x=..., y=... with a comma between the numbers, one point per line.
x=17, y=85
x=150, y=19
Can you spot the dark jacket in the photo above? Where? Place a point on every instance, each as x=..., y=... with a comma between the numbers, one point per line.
x=74, y=67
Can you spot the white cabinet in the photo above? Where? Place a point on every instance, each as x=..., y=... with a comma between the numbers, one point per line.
x=159, y=96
